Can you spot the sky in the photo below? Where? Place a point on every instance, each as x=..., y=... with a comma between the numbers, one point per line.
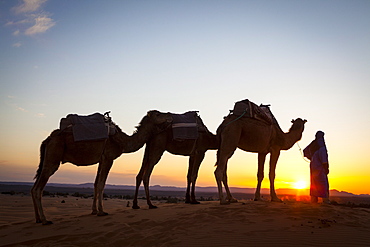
x=307, y=58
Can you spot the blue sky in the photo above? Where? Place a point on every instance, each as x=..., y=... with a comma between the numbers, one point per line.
x=308, y=59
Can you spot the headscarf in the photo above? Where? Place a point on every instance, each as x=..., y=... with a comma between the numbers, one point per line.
x=315, y=145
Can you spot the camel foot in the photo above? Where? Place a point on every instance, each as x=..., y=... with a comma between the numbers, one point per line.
x=94, y=212
x=187, y=199
x=233, y=200
x=276, y=200
x=135, y=207
x=257, y=200
x=152, y=207
x=102, y=214
x=224, y=203
x=194, y=202
x=47, y=222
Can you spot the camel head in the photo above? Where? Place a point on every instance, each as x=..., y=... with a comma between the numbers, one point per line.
x=159, y=117
x=298, y=124
x=155, y=119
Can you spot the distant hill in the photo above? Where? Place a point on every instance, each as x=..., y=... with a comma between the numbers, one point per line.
x=25, y=187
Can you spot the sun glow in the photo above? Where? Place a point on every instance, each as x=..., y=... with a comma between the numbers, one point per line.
x=299, y=185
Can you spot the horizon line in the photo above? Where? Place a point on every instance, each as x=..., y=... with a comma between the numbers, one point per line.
x=180, y=187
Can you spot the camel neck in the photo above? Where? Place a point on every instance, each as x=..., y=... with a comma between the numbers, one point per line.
x=136, y=141
x=291, y=138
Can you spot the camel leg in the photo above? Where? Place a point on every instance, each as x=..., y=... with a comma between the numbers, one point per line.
x=101, y=178
x=96, y=192
x=273, y=161
x=190, y=172
x=220, y=169
x=229, y=143
x=139, y=178
x=151, y=158
x=196, y=161
x=220, y=174
x=146, y=179
x=260, y=175
x=230, y=198
x=143, y=170
x=37, y=190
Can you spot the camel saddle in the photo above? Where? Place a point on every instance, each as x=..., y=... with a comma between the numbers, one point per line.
x=86, y=128
x=184, y=126
x=246, y=108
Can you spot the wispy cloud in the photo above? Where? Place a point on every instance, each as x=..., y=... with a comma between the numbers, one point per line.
x=42, y=24
x=33, y=19
x=16, y=32
x=29, y=6
x=11, y=101
x=18, y=44
x=21, y=109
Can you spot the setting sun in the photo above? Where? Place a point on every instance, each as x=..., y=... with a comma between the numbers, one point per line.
x=300, y=185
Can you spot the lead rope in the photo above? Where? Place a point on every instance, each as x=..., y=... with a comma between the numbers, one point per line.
x=300, y=150
x=236, y=118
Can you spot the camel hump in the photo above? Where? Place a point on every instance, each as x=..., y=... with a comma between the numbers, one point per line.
x=184, y=126
x=249, y=109
x=92, y=127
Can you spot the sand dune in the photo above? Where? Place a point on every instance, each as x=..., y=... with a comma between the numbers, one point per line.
x=246, y=223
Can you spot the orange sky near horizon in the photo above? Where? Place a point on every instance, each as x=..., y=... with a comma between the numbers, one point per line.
x=172, y=169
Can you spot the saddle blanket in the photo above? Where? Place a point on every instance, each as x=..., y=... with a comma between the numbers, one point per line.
x=84, y=128
x=184, y=126
x=250, y=109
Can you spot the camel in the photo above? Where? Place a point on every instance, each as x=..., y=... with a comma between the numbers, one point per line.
x=164, y=141
x=252, y=135
x=60, y=147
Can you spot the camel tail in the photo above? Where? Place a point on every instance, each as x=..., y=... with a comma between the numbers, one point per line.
x=217, y=155
x=218, y=136
x=42, y=156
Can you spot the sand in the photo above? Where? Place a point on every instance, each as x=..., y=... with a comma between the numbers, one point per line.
x=246, y=223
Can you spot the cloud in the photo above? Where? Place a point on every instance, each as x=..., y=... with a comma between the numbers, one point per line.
x=42, y=24
x=21, y=109
x=19, y=23
x=18, y=44
x=16, y=32
x=32, y=18
x=29, y=6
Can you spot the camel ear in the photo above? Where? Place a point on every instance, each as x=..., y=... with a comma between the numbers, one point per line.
x=305, y=121
x=292, y=121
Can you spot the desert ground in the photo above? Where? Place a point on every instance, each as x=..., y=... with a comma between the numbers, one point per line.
x=246, y=223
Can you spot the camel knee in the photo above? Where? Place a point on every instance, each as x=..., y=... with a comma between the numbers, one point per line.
x=194, y=178
x=139, y=178
x=260, y=176
x=145, y=181
x=36, y=193
x=33, y=191
x=218, y=175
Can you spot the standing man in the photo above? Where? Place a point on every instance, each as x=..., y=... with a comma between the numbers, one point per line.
x=319, y=168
